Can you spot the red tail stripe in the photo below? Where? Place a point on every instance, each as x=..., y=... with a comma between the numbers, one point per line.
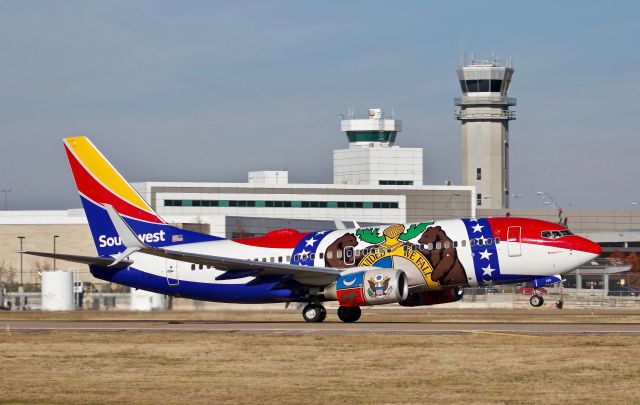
x=95, y=191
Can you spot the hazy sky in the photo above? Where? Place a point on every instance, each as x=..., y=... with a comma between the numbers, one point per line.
x=206, y=91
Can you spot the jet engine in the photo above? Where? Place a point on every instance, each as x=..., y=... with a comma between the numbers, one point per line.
x=432, y=297
x=369, y=287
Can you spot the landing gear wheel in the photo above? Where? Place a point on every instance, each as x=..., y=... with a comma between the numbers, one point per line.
x=314, y=313
x=349, y=314
x=536, y=301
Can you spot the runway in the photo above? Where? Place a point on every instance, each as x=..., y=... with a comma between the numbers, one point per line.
x=302, y=328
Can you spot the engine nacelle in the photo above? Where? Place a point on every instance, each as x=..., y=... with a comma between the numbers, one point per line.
x=432, y=297
x=369, y=287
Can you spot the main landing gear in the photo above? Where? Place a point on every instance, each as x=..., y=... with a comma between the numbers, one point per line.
x=536, y=299
x=349, y=314
x=316, y=312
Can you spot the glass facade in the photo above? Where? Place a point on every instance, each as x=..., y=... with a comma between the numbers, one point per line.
x=475, y=86
x=281, y=204
x=371, y=136
x=395, y=182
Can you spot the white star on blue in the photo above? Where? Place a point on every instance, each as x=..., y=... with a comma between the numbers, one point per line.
x=305, y=251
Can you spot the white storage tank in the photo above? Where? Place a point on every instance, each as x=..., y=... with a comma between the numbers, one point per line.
x=142, y=300
x=57, y=291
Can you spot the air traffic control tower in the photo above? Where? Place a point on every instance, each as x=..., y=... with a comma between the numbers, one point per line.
x=372, y=158
x=484, y=113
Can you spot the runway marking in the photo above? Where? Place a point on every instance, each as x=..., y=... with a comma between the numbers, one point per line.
x=302, y=331
x=486, y=332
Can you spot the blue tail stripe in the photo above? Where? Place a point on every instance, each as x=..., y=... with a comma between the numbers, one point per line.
x=108, y=242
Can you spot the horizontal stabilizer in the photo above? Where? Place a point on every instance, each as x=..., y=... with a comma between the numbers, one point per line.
x=97, y=260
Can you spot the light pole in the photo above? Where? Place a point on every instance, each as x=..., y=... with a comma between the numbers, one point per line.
x=5, y=191
x=547, y=195
x=21, y=238
x=517, y=197
x=54, y=250
x=556, y=206
x=446, y=207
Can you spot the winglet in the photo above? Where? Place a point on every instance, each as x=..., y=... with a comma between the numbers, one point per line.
x=127, y=236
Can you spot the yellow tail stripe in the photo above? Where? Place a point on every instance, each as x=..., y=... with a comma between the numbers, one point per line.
x=102, y=170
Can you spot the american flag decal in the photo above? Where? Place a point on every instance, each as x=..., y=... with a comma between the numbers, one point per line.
x=305, y=252
x=485, y=255
x=177, y=238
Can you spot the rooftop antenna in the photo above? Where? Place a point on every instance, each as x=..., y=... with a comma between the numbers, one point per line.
x=461, y=52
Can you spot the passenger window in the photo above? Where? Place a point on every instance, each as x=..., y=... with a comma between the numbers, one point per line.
x=329, y=255
x=279, y=259
x=438, y=245
x=497, y=241
x=339, y=254
x=201, y=266
x=446, y=244
x=193, y=267
x=464, y=243
x=472, y=242
x=455, y=243
x=296, y=258
x=430, y=246
x=312, y=256
x=480, y=242
x=271, y=259
x=321, y=256
x=489, y=241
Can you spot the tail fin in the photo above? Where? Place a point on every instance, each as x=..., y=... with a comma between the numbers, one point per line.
x=99, y=183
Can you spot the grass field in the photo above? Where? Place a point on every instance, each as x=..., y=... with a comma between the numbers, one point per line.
x=487, y=368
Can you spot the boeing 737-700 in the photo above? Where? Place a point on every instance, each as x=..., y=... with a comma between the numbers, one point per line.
x=423, y=263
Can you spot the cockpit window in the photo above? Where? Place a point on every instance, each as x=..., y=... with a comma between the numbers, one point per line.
x=556, y=234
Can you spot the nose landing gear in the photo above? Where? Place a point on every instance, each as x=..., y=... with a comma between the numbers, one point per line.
x=536, y=299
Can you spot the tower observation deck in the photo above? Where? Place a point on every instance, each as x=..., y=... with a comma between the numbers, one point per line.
x=484, y=113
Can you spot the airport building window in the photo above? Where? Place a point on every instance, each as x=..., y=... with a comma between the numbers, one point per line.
x=281, y=204
x=496, y=86
x=479, y=173
x=479, y=199
x=395, y=182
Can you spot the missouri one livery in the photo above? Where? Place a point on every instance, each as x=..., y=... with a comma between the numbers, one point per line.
x=414, y=264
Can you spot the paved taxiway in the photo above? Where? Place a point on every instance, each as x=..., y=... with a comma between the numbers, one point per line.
x=297, y=328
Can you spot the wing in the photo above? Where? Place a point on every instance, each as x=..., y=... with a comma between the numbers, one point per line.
x=307, y=275
x=312, y=276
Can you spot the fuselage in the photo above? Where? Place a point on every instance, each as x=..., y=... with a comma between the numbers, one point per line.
x=435, y=255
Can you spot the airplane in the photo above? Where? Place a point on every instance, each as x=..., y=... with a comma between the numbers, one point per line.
x=415, y=264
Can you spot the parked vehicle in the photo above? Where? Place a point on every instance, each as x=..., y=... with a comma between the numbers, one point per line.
x=529, y=290
x=4, y=298
x=623, y=292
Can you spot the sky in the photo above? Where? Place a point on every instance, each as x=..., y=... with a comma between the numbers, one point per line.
x=207, y=90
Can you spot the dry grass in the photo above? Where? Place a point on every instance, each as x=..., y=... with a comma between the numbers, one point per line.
x=69, y=367
x=369, y=314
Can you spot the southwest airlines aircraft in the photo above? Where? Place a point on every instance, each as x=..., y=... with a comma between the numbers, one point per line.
x=422, y=263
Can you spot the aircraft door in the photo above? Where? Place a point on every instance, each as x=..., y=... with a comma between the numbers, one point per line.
x=172, y=272
x=349, y=256
x=514, y=241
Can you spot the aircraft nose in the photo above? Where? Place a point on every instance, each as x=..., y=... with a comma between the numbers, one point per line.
x=586, y=246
